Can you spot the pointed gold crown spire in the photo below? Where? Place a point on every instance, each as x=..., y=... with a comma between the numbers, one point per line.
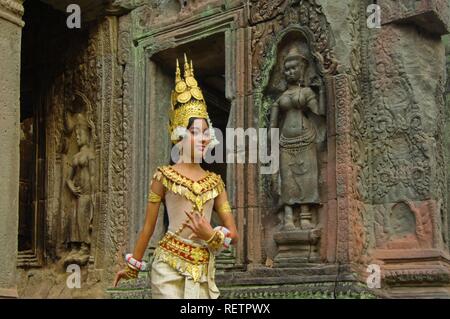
x=177, y=73
x=187, y=70
x=187, y=98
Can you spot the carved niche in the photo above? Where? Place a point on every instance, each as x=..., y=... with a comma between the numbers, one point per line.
x=405, y=225
x=80, y=180
x=296, y=85
x=271, y=21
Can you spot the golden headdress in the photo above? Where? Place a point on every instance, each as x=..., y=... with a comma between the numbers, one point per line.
x=187, y=101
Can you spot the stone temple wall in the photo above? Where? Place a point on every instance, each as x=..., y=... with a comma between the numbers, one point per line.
x=378, y=163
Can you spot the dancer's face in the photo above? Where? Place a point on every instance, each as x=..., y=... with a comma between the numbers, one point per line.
x=198, y=139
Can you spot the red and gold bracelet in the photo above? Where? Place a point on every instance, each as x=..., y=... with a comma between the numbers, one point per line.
x=216, y=240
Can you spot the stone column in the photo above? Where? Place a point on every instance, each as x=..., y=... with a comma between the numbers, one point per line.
x=11, y=24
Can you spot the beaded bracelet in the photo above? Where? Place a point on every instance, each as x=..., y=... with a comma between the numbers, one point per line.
x=227, y=239
x=139, y=265
x=220, y=239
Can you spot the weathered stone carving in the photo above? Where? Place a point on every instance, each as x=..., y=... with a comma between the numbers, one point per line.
x=128, y=4
x=295, y=99
x=401, y=149
x=431, y=15
x=405, y=225
x=265, y=10
x=150, y=12
x=12, y=10
x=295, y=112
x=15, y=6
x=403, y=133
x=306, y=13
x=381, y=175
x=81, y=182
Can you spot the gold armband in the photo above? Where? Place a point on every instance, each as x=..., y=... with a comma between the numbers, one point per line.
x=224, y=208
x=216, y=240
x=153, y=197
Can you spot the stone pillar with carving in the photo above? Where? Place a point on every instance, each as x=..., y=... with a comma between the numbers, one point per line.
x=11, y=24
x=406, y=125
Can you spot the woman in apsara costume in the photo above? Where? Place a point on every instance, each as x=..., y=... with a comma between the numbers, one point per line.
x=184, y=260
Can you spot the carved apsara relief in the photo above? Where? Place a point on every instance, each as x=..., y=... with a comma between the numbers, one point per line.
x=269, y=21
x=299, y=114
x=291, y=79
x=80, y=180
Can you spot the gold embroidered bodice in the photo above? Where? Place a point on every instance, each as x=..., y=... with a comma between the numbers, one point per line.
x=184, y=194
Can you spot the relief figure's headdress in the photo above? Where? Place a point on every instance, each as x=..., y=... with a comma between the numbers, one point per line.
x=187, y=102
x=295, y=53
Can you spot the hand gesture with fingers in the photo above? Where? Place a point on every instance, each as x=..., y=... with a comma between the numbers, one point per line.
x=199, y=225
x=119, y=275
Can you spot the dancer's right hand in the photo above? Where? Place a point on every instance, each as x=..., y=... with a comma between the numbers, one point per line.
x=120, y=274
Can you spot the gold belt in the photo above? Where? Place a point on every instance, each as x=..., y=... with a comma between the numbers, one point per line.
x=183, y=256
x=188, y=252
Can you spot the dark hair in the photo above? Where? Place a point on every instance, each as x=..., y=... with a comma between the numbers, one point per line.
x=192, y=119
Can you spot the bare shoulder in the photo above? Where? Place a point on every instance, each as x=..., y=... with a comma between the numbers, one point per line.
x=309, y=94
x=308, y=91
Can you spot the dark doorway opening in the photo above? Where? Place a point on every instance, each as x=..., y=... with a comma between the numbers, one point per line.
x=39, y=48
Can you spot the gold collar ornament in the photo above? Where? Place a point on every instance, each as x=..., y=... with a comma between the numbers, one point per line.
x=187, y=102
x=197, y=192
